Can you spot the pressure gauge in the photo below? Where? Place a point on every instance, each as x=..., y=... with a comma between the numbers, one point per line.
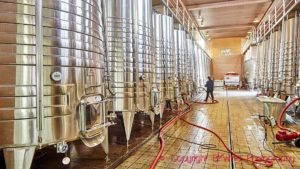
x=56, y=76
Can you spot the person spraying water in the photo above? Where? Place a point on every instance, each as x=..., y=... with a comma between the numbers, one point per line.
x=209, y=89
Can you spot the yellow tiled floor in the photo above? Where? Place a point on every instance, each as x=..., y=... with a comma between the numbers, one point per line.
x=247, y=137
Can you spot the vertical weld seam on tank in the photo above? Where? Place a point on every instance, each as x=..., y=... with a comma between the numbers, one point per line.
x=39, y=72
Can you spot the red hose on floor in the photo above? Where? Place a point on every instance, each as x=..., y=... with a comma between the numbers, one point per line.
x=179, y=116
x=263, y=162
x=161, y=139
x=279, y=121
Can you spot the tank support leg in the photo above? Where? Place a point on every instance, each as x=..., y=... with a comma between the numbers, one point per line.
x=128, y=118
x=152, y=117
x=105, y=144
x=162, y=109
x=18, y=158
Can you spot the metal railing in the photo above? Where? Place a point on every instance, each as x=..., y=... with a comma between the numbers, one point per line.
x=184, y=17
x=278, y=10
x=276, y=13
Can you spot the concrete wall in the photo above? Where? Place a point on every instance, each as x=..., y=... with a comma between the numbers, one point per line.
x=227, y=56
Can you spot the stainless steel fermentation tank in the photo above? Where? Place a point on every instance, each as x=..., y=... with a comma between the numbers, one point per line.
x=197, y=67
x=287, y=72
x=171, y=83
x=52, y=84
x=276, y=49
x=190, y=67
x=164, y=58
x=297, y=52
x=130, y=58
x=270, y=64
x=181, y=63
x=206, y=67
x=202, y=67
x=264, y=53
x=260, y=65
x=277, y=61
x=250, y=66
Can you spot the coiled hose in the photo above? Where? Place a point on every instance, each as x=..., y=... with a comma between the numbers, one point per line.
x=279, y=120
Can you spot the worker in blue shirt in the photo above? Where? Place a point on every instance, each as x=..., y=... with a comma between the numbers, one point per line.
x=209, y=88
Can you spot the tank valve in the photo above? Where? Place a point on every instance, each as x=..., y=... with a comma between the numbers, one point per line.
x=143, y=77
x=66, y=161
x=155, y=100
x=62, y=147
x=112, y=116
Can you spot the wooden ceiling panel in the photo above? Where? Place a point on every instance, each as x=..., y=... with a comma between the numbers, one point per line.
x=229, y=15
x=226, y=18
x=238, y=15
x=228, y=33
x=196, y=2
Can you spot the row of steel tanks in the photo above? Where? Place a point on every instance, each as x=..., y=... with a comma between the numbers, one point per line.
x=277, y=66
x=192, y=65
x=131, y=59
x=164, y=62
x=202, y=69
x=68, y=67
x=277, y=57
x=52, y=88
x=181, y=65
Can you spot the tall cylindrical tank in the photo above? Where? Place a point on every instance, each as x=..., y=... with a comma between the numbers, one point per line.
x=276, y=48
x=164, y=57
x=130, y=57
x=52, y=88
x=297, y=51
x=144, y=42
x=181, y=57
x=159, y=65
x=197, y=67
x=257, y=62
x=270, y=61
x=261, y=65
x=189, y=66
x=202, y=68
x=169, y=58
x=265, y=53
x=250, y=65
x=288, y=74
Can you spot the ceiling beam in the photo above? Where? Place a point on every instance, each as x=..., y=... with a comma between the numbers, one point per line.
x=226, y=27
x=224, y=4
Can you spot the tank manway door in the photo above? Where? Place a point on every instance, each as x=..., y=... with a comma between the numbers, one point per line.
x=92, y=120
x=155, y=100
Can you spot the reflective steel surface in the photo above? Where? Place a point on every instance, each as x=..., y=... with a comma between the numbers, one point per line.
x=276, y=50
x=67, y=67
x=164, y=62
x=130, y=56
x=169, y=57
x=159, y=76
x=181, y=62
x=190, y=66
x=277, y=61
x=250, y=66
x=52, y=57
x=288, y=80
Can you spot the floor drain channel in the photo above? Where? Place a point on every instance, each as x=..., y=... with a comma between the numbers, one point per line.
x=231, y=161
